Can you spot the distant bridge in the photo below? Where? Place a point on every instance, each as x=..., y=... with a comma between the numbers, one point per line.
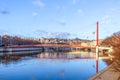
x=56, y=46
x=72, y=46
x=63, y=45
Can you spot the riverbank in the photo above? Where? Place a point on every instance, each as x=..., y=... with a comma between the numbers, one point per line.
x=10, y=49
x=18, y=49
x=5, y=51
x=109, y=73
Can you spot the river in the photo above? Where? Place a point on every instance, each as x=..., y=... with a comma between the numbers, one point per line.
x=50, y=66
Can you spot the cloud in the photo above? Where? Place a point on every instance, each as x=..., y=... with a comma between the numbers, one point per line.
x=75, y=1
x=80, y=12
x=106, y=20
x=34, y=14
x=2, y=31
x=112, y=15
x=4, y=9
x=113, y=11
x=61, y=22
x=38, y=3
x=58, y=7
x=4, y=12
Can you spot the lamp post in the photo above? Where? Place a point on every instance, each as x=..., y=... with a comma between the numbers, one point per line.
x=97, y=46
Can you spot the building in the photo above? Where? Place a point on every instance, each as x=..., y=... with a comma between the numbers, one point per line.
x=0, y=40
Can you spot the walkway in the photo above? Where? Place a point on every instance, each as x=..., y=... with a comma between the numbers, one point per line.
x=109, y=73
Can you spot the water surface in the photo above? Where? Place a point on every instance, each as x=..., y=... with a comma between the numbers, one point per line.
x=50, y=66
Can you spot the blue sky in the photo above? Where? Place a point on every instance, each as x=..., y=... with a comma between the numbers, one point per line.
x=78, y=17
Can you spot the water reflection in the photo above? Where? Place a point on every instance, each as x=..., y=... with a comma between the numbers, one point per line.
x=66, y=55
x=97, y=66
x=50, y=66
x=16, y=57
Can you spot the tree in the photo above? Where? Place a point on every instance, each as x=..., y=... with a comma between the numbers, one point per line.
x=16, y=40
x=60, y=35
x=114, y=41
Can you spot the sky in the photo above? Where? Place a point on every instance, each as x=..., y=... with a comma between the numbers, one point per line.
x=78, y=17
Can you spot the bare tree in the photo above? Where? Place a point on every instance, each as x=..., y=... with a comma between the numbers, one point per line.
x=60, y=35
x=41, y=33
x=16, y=40
x=114, y=41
